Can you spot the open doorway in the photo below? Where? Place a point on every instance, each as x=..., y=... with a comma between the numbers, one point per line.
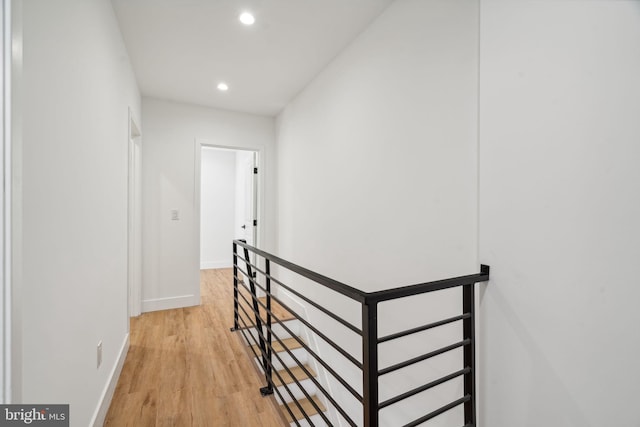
x=228, y=185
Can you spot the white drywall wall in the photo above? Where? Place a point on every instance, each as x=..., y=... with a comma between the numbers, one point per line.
x=78, y=86
x=217, y=207
x=560, y=212
x=377, y=175
x=170, y=248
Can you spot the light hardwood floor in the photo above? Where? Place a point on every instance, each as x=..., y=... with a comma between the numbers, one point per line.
x=185, y=368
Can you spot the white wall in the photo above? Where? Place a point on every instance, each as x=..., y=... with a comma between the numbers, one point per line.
x=559, y=212
x=377, y=155
x=171, y=262
x=217, y=208
x=78, y=86
x=377, y=171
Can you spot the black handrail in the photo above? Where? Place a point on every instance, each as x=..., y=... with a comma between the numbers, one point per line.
x=421, y=288
x=325, y=281
x=310, y=301
x=314, y=329
x=368, y=333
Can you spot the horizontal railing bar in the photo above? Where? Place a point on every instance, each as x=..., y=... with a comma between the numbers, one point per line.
x=304, y=391
x=305, y=370
x=293, y=398
x=293, y=417
x=273, y=387
x=327, y=282
x=333, y=373
x=423, y=357
x=276, y=390
x=319, y=307
x=425, y=387
x=313, y=379
x=422, y=288
x=439, y=411
x=245, y=327
x=313, y=303
x=423, y=328
x=339, y=349
x=314, y=355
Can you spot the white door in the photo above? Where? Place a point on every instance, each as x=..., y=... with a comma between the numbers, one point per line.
x=250, y=206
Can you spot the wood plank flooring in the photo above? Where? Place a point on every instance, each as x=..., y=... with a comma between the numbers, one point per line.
x=185, y=368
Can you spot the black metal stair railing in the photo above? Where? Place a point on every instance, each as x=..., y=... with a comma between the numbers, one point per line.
x=247, y=308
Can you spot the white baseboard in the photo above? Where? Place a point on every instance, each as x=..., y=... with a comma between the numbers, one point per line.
x=208, y=265
x=107, y=394
x=169, y=303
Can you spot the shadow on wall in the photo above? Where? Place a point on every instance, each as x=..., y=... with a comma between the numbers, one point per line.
x=550, y=396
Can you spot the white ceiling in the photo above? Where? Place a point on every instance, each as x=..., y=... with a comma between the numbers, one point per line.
x=181, y=49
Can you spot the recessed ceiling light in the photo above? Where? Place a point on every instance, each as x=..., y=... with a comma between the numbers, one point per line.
x=222, y=86
x=247, y=19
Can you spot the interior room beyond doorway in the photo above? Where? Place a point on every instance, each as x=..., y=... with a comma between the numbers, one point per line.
x=228, y=203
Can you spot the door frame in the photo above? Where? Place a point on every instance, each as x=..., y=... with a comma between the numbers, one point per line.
x=11, y=202
x=5, y=215
x=198, y=146
x=134, y=220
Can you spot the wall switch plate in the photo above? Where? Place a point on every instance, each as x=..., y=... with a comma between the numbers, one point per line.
x=99, y=354
x=175, y=215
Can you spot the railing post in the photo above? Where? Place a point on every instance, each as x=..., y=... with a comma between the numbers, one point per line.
x=268, y=369
x=468, y=326
x=370, y=362
x=235, y=287
x=256, y=309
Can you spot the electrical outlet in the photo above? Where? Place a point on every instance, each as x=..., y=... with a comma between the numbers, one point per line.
x=175, y=215
x=99, y=354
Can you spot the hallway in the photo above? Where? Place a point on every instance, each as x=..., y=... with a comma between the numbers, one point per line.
x=185, y=368
x=399, y=142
